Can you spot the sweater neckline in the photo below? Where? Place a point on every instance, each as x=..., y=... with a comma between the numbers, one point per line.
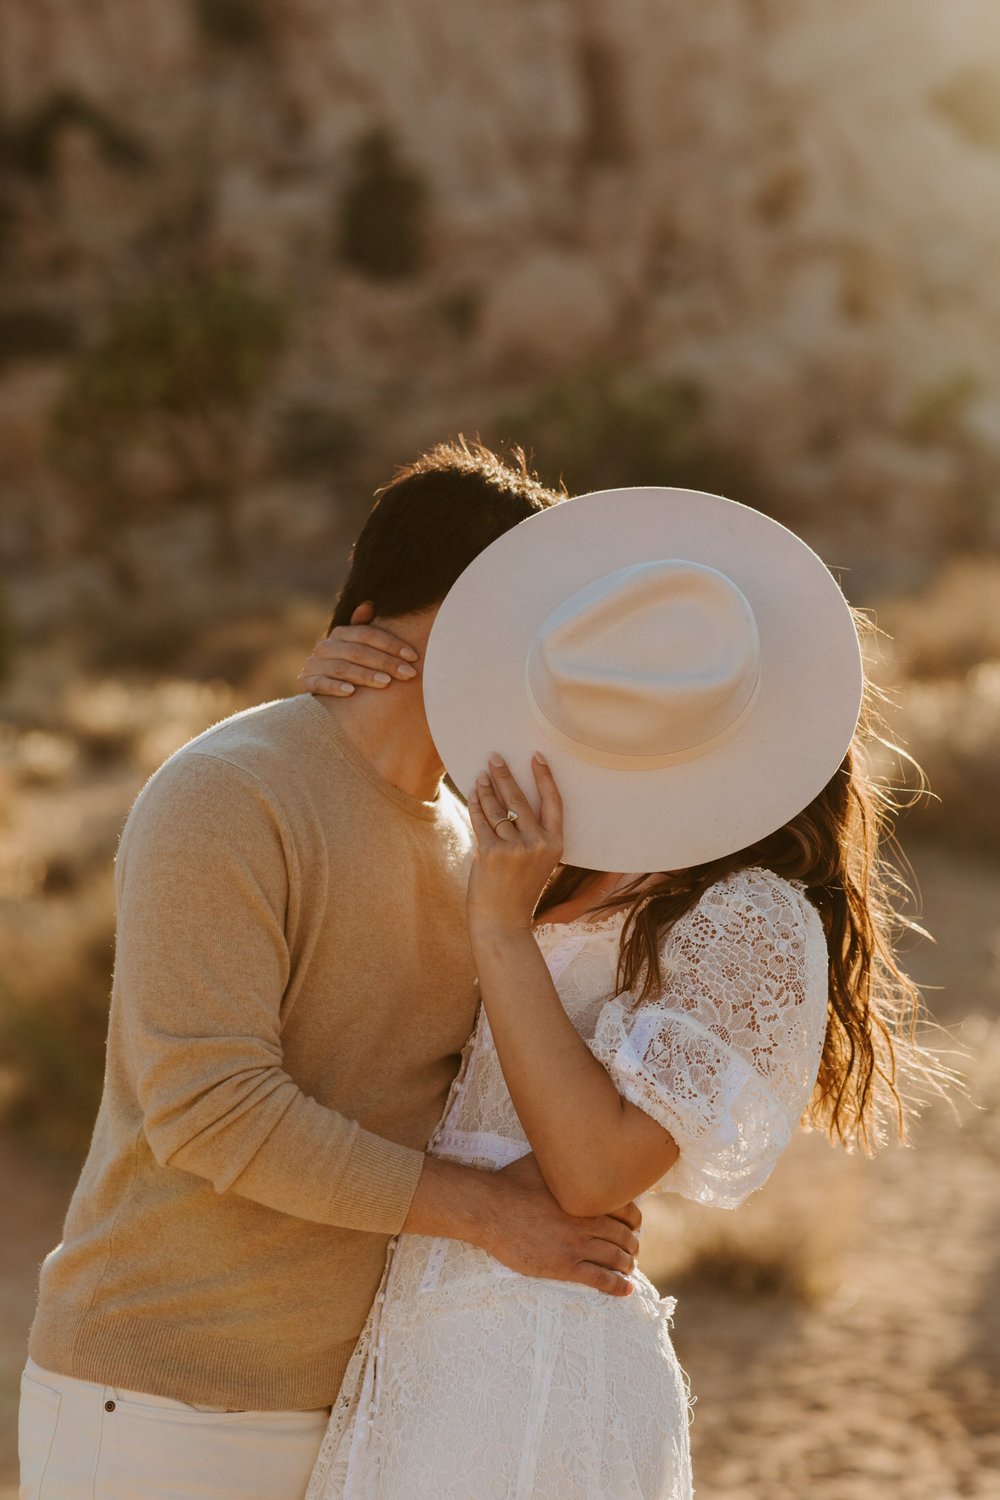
x=405, y=801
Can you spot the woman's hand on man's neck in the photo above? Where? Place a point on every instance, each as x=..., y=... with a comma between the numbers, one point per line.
x=388, y=725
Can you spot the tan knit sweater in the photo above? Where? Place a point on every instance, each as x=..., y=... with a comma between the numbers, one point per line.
x=293, y=985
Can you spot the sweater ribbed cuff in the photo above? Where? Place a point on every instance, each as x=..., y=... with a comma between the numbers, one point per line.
x=377, y=1185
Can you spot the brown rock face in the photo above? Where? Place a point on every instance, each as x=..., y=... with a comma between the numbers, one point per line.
x=795, y=207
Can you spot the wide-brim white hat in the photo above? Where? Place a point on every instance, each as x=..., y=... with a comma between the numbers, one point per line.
x=689, y=667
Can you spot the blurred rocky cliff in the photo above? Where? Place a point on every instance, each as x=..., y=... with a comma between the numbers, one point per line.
x=254, y=252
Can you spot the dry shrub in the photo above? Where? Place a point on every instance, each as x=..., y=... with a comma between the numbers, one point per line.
x=179, y=372
x=980, y=1036
x=151, y=640
x=939, y=664
x=953, y=729
x=381, y=227
x=143, y=722
x=786, y=1241
x=952, y=625
x=39, y=758
x=55, y=985
x=259, y=653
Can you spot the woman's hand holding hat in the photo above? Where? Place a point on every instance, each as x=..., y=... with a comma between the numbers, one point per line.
x=516, y=849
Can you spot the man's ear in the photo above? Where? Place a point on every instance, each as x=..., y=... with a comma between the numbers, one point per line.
x=364, y=614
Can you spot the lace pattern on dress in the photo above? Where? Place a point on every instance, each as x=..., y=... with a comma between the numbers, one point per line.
x=726, y=1058
x=470, y=1380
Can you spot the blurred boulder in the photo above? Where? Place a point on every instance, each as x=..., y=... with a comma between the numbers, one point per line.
x=910, y=494
x=548, y=310
x=795, y=208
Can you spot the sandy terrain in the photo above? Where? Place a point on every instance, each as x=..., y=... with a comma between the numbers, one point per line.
x=842, y=1331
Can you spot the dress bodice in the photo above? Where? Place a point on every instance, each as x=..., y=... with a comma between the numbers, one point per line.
x=724, y=1058
x=481, y=1126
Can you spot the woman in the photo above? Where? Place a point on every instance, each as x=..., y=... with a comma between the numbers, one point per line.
x=666, y=1027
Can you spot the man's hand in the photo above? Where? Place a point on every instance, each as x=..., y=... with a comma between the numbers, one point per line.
x=512, y=1215
x=533, y=1235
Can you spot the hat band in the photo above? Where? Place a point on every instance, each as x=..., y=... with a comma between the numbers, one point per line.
x=621, y=762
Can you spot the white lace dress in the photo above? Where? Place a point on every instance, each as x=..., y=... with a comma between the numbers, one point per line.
x=471, y=1382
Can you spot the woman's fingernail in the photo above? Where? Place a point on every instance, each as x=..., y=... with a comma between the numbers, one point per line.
x=406, y=671
x=382, y=678
x=408, y=654
x=496, y=760
x=540, y=758
x=483, y=779
x=345, y=689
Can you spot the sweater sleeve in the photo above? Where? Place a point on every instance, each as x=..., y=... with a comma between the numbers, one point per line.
x=202, y=966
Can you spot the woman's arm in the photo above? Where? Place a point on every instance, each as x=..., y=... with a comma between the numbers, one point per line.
x=594, y=1148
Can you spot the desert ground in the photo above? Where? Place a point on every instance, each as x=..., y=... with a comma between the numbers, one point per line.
x=841, y=1331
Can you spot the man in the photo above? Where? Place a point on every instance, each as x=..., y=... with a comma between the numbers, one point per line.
x=293, y=986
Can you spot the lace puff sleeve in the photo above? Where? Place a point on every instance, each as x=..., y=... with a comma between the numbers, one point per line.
x=727, y=1058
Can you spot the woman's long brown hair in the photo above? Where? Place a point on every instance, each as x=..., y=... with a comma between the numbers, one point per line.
x=873, y=1072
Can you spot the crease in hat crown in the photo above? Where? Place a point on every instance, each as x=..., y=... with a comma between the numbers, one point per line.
x=647, y=666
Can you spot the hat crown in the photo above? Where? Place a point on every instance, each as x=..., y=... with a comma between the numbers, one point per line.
x=647, y=665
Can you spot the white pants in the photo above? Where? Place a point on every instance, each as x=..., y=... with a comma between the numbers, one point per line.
x=79, y=1440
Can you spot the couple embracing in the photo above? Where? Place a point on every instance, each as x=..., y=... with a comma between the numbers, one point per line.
x=387, y=1070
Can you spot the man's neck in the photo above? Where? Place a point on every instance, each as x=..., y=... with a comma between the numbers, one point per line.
x=389, y=727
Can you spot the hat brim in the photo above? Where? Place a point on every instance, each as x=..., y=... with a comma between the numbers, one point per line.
x=639, y=821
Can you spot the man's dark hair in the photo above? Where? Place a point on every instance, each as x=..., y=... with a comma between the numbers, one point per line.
x=429, y=522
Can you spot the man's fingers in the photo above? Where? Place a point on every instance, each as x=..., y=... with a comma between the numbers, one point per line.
x=629, y=1244
x=617, y=1232
x=603, y=1253
x=617, y=1250
x=630, y=1214
x=604, y=1280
